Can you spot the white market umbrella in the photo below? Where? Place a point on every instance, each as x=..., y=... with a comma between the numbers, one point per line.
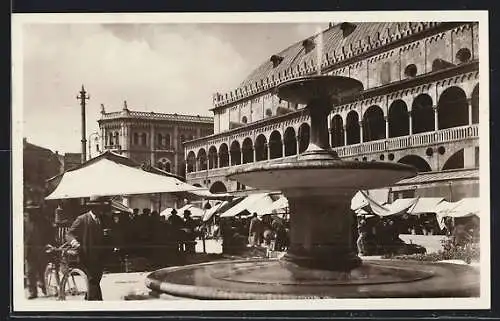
x=110, y=174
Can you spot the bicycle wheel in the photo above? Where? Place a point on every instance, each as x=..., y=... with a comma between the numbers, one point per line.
x=52, y=278
x=74, y=285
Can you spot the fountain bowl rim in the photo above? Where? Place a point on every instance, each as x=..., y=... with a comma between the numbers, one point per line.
x=205, y=292
x=323, y=164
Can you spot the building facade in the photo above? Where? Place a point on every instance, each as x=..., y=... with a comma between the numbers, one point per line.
x=152, y=138
x=419, y=106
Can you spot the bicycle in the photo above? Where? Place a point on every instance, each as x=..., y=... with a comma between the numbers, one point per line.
x=62, y=278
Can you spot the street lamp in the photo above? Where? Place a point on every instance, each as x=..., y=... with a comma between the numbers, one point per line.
x=96, y=142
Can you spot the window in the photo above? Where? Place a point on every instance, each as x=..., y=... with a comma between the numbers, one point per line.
x=276, y=60
x=136, y=138
x=385, y=73
x=144, y=139
x=269, y=112
x=167, y=140
x=244, y=119
x=463, y=55
x=411, y=71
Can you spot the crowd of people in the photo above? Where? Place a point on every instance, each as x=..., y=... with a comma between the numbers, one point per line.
x=380, y=235
x=151, y=236
x=239, y=232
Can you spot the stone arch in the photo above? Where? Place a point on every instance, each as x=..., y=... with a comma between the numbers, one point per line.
x=422, y=114
x=212, y=157
x=260, y=148
x=452, y=108
x=352, y=128
x=191, y=162
x=337, y=131
x=223, y=155
x=416, y=161
x=218, y=187
x=455, y=161
x=399, y=122
x=202, y=159
x=304, y=132
x=373, y=124
x=275, y=145
x=290, y=140
x=247, y=150
x=235, y=153
x=475, y=104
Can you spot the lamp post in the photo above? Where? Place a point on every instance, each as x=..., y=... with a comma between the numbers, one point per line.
x=96, y=141
x=83, y=97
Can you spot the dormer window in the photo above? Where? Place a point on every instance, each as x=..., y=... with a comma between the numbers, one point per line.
x=276, y=60
x=347, y=28
x=308, y=45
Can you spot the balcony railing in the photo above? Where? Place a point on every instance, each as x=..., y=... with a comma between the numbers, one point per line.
x=384, y=145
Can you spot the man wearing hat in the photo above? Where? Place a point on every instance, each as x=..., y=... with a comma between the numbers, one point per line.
x=189, y=232
x=87, y=234
x=33, y=248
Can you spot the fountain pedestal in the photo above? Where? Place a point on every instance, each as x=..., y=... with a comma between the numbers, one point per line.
x=321, y=231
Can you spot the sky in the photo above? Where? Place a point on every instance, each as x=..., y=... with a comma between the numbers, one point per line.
x=169, y=68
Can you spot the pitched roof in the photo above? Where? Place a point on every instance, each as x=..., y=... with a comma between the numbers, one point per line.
x=333, y=41
x=338, y=46
x=441, y=176
x=157, y=116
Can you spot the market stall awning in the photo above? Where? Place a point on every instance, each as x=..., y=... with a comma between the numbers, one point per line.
x=425, y=205
x=120, y=207
x=252, y=203
x=465, y=207
x=401, y=205
x=195, y=211
x=365, y=198
x=109, y=174
x=279, y=205
x=210, y=212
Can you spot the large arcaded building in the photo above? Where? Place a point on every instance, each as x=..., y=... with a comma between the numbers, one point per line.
x=420, y=106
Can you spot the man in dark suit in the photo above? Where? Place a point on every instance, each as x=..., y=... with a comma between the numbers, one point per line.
x=34, y=241
x=87, y=234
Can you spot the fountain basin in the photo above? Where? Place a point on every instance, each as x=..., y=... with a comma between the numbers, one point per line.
x=261, y=279
x=326, y=89
x=320, y=174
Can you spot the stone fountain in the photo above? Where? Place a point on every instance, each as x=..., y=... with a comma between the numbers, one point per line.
x=321, y=261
